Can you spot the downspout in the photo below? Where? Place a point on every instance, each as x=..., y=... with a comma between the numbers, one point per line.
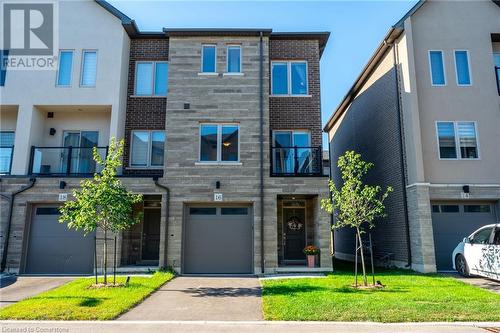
x=402, y=155
x=167, y=211
x=261, y=139
x=11, y=198
x=332, y=232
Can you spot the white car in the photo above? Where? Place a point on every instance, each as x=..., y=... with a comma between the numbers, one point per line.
x=479, y=254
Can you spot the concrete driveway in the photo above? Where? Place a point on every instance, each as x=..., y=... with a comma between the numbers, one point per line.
x=202, y=298
x=28, y=286
x=481, y=282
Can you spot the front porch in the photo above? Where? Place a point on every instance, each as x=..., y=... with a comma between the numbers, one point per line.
x=298, y=226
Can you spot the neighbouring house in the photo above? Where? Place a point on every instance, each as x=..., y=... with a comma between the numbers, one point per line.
x=426, y=111
x=222, y=132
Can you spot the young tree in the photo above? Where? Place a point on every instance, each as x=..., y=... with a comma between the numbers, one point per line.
x=355, y=204
x=103, y=202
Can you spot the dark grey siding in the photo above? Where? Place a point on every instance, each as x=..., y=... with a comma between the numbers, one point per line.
x=371, y=128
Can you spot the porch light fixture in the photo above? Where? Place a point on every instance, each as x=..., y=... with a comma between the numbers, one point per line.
x=466, y=189
x=226, y=144
x=52, y=131
x=62, y=185
x=217, y=184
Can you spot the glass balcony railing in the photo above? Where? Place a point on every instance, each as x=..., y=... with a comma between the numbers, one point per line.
x=6, y=153
x=65, y=161
x=296, y=161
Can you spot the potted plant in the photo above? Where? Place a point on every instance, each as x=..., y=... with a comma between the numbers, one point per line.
x=311, y=251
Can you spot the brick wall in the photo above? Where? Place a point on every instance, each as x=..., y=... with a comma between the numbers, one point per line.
x=146, y=113
x=298, y=112
x=371, y=128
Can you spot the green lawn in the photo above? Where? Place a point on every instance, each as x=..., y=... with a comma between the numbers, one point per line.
x=408, y=296
x=75, y=301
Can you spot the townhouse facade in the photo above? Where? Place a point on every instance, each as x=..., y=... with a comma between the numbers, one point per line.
x=222, y=132
x=426, y=111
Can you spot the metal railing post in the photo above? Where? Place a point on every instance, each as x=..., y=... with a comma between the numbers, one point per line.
x=296, y=160
x=11, y=159
x=32, y=155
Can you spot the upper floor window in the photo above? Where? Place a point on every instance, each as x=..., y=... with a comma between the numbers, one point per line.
x=6, y=150
x=208, y=58
x=289, y=78
x=151, y=78
x=65, y=68
x=234, y=59
x=462, y=68
x=496, y=58
x=219, y=142
x=436, y=64
x=461, y=134
x=147, y=148
x=89, y=69
x=4, y=55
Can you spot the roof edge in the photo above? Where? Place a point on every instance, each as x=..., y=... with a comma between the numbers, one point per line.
x=390, y=37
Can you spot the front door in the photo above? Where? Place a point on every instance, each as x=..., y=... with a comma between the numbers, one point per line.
x=294, y=233
x=151, y=234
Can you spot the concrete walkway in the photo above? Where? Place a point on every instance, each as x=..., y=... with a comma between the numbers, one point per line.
x=240, y=327
x=202, y=298
x=28, y=286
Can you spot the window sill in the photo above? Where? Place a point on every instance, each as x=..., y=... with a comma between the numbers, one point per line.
x=208, y=74
x=145, y=168
x=290, y=95
x=233, y=74
x=218, y=163
x=148, y=96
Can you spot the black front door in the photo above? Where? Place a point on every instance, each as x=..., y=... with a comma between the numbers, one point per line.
x=151, y=234
x=294, y=234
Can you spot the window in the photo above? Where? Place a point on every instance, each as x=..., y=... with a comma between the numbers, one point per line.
x=482, y=236
x=462, y=68
x=445, y=208
x=477, y=209
x=457, y=134
x=208, y=58
x=437, y=68
x=289, y=78
x=6, y=150
x=4, y=55
x=234, y=59
x=89, y=69
x=147, y=148
x=151, y=78
x=202, y=211
x=234, y=211
x=65, y=68
x=219, y=143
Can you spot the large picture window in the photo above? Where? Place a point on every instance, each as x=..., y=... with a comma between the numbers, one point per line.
x=147, y=149
x=219, y=143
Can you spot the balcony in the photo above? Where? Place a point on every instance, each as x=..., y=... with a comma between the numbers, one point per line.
x=6, y=153
x=64, y=161
x=296, y=162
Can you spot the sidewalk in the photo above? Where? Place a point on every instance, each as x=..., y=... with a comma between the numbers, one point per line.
x=240, y=326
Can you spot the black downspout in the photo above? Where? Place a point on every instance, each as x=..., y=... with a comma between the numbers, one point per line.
x=167, y=211
x=402, y=155
x=9, y=221
x=261, y=138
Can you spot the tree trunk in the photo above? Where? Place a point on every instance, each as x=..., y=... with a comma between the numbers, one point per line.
x=365, y=282
x=105, y=261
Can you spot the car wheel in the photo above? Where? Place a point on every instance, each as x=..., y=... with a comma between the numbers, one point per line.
x=461, y=265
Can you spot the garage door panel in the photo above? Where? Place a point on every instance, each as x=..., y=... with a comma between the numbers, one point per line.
x=450, y=228
x=219, y=244
x=55, y=249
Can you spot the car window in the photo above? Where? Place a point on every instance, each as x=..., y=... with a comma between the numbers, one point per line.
x=482, y=236
x=496, y=238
